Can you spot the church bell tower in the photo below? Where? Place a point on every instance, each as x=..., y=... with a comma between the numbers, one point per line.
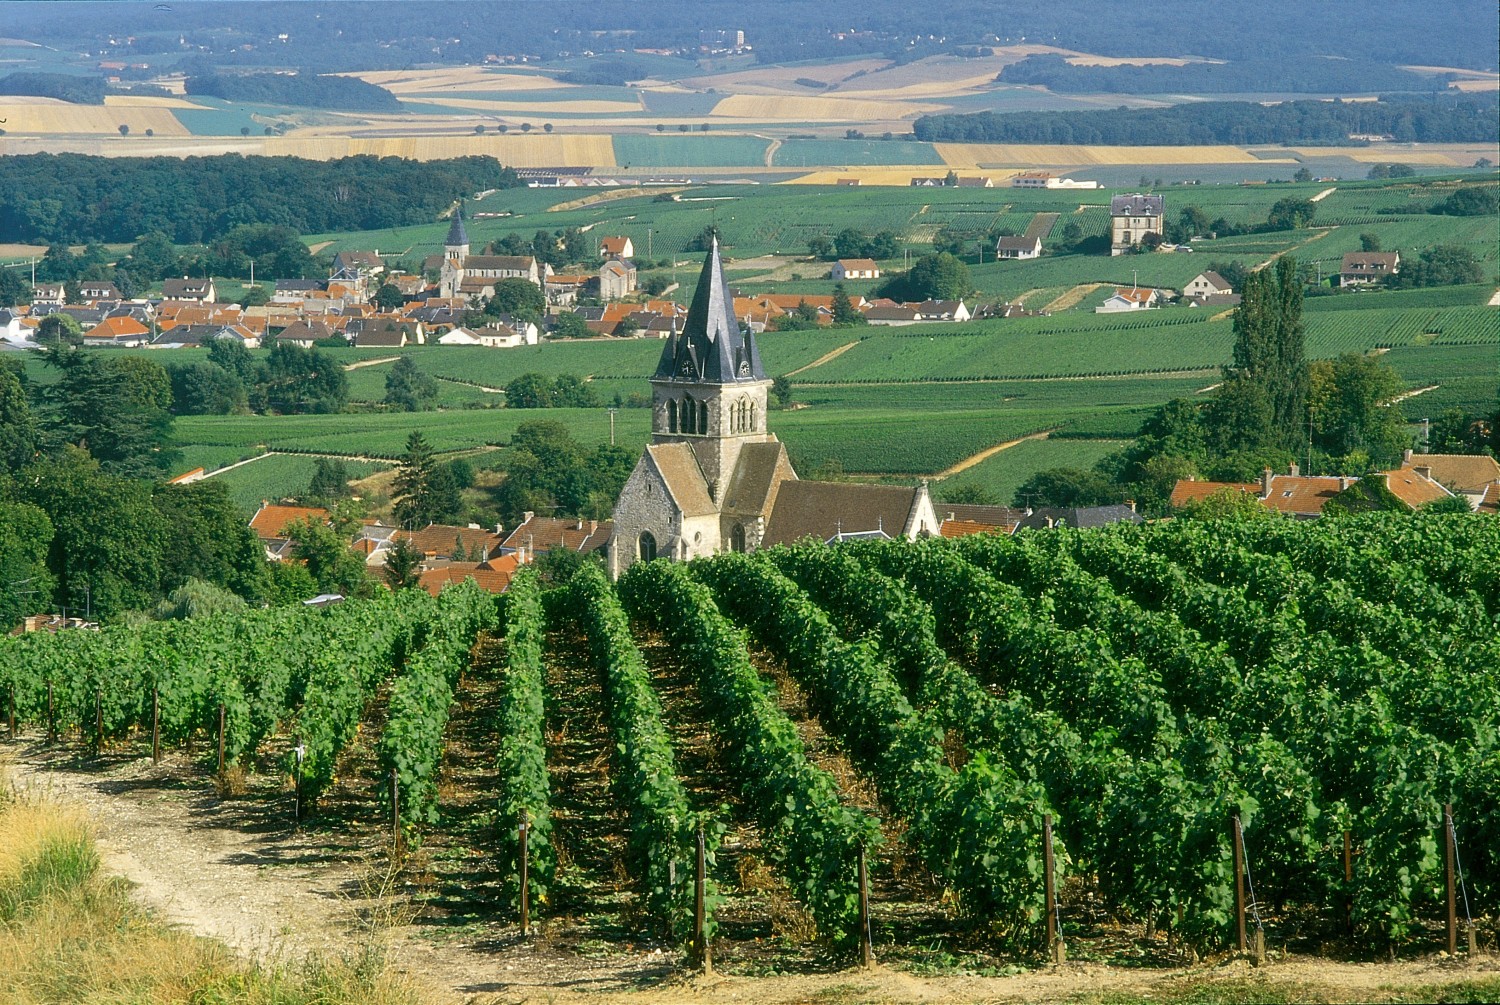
x=710, y=389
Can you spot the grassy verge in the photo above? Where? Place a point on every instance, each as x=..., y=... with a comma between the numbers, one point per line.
x=68, y=933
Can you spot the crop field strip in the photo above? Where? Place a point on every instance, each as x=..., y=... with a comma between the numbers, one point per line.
x=965, y=687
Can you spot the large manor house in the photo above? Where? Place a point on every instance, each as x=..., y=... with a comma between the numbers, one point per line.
x=714, y=478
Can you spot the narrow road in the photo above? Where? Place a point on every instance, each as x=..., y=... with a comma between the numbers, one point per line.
x=1072, y=297
x=370, y=362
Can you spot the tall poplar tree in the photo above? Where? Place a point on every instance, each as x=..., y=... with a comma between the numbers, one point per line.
x=1263, y=404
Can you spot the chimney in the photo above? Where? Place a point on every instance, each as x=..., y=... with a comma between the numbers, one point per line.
x=1406, y=457
x=526, y=516
x=1131, y=504
x=1423, y=472
x=1295, y=471
x=1265, y=483
x=1344, y=482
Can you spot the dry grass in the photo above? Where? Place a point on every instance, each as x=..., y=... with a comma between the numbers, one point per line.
x=232, y=782
x=147, y=101
x=456, y=78
x=69, y=934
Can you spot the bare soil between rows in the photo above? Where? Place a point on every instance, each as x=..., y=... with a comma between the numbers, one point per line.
x=240, y=870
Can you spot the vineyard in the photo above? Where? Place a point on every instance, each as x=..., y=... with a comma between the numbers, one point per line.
x=1146, y=740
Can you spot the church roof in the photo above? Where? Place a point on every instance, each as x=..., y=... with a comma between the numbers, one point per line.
x=711, y=349
x=758, y=473
x=457, y=236
x=825, y=510
x=683, y=477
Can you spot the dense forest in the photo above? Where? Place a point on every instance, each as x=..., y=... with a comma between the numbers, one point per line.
x=1439, y=119
x=63, y=86
x=365, y=34
x=74, y=198
x=1297, y=74
x=308, y=90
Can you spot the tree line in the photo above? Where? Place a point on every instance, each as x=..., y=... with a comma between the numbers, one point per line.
x=1289, y=73
x=76, y=198
x=309, y=90
x=1469, y=118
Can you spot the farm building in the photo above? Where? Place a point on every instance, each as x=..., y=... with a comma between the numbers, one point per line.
x=1046, y=179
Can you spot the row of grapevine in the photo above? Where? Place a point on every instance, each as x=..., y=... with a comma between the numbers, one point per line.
x=521, y=761
x=662, y=828
x=411, y=745
x=259, y=666
x=978, y=828
x=811, y=838
x=1369, y=743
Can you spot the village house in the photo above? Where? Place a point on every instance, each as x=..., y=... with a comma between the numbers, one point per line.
x=384, y=333
x=124, y=332
x=538, y=535
x=854, y=268
x=1469, y=475
x=616, y=247
x=1018, y=247
x=504, y=332
x=98, y=289
x=1133, y=299
x=196, y=290
x=962, y=520
x=1362, y=268
x=272, y=524
x=1206, y=284
x=48, y=293
x=1078, y=517
x=305, y=333
x=617, y=278
x=1304, y=496
x=1132, y=217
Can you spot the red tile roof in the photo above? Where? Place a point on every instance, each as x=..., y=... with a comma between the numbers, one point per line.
x=270, y=522
x=1413, y=489
x=1187, y=490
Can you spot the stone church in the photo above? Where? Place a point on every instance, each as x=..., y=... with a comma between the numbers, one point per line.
x=714, y=478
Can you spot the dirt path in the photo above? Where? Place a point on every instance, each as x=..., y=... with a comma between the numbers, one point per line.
x=771, y=149
x=987, y=453
x=826, y=357
x=1495, y=300
x=1072, y=297
x=1413, y=393
x=1041, y=225
x=1324, y=194
x=1294, y=248
x=370, y=362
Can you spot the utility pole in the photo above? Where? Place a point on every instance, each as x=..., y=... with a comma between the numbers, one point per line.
x=612, y=412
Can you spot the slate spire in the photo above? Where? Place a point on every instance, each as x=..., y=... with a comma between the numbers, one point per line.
x=711, y=348
x=457, y=236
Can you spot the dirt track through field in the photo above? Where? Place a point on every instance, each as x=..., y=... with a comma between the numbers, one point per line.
x=1072, y=297
x=987, y=453
x=826, y=357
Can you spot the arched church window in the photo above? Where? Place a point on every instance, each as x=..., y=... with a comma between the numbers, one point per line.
x=737, y=538
x=750, y=425
x=671, y=415
x=702, y=416
x=689, y=415
x=646, y=546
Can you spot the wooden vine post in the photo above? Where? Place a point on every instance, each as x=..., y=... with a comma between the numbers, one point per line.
x=1242, y=943
x=866, y=950
x=155, y=725
x=395, y=816
x=1448, y=856
x=1348, y=883
x=10, y=718
x=51, y=716
x=221, y=739
x=524, y=830
x=98, y=722
x=702, y=954
x=1055, y=946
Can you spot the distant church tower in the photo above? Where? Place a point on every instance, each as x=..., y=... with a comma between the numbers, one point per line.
x=457, y=244
x=708, y=480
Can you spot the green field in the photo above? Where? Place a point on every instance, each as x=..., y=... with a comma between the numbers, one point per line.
x=819, y=153
x=674, y=150
x=277, y=476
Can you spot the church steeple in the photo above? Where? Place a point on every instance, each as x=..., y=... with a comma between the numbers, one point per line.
x=711, y=349
x=457, y=243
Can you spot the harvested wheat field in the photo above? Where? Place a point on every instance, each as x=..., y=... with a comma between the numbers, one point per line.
x=761, y=107
x=897, y=175
x=455, y=78
x=147, y=101
x=535, y=150
x=783, y=79
x=537, y=109
x=62, y=117
x=1433, y=154
x=1044, y=155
